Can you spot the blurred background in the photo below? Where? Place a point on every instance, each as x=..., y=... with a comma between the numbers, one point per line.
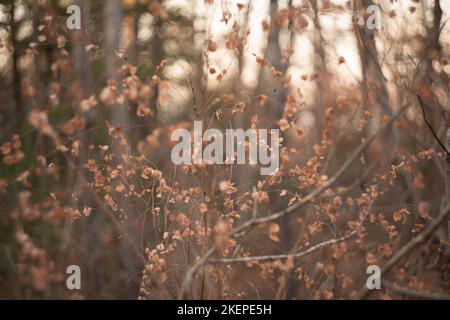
x=86, y=116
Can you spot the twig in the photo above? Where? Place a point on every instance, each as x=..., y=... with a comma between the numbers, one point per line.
x=185, y=285
x=340, y=192
x=194, y=100
x=427, y=232
x=414, y=293
x=255, y=221
x=358, y=181
x=297, y=255
x=255, y=205
x=430, y=126
x=286, y=255
x=329, y=183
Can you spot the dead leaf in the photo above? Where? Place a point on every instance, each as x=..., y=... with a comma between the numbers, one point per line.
x=274, y=230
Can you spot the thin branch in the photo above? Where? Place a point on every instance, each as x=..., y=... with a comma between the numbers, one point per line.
x=358, y=181
x=256, y=221
x=425, y=234
x=255, y=205
x=297, y=255
x=430, y=126
x=287, y=255
x=186, y=284
x=329, y=183
x=414, y=293
x=101, y=204
x=194, y=100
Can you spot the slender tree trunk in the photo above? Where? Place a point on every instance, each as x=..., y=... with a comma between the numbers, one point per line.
x=447, y=183
x=277, y=100
x=120, y=117
x=14, y=110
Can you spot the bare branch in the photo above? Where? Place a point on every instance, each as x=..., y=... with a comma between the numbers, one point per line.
x=414, y=293
x=297, y=255
x=185, y=285
x=425, y=234
x=329, y=183
x=287, y=255
x=430, y=126
x=256, y=221
x=358, y=181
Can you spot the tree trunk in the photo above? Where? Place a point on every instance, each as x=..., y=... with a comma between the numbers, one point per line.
x=119, y=117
